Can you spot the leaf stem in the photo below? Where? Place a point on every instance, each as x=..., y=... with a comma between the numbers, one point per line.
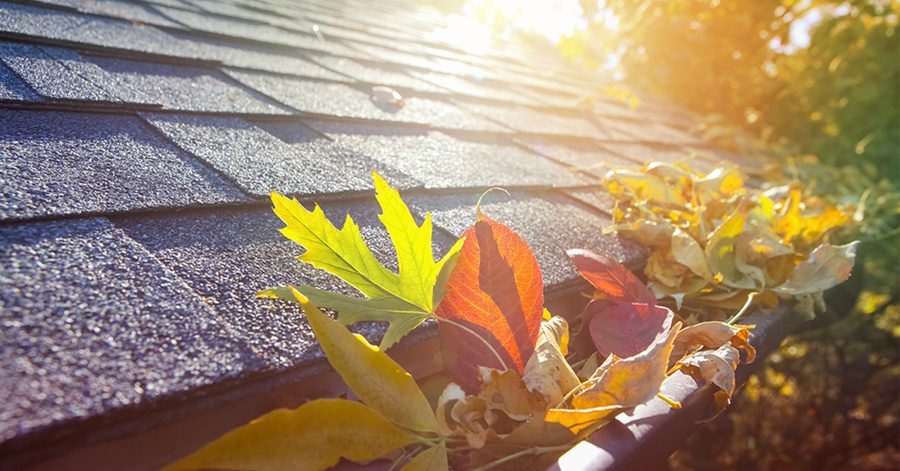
x=576, y=390
x=537, y=450
x=479, y=337
x=668, y=400
x=744, y=309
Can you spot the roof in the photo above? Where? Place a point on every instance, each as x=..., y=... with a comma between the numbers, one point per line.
x=138, y=145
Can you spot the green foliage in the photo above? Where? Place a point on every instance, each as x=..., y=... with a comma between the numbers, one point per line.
x=829, y=111
x=404, y=300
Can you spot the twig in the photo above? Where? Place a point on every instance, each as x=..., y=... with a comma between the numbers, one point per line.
x=744, y=309
x=479, y=337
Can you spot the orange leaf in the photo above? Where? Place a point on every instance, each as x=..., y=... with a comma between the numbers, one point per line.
x=494, y=297
x=611, y=278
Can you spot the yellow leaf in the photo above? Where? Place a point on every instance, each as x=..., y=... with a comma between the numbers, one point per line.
x=827, y=266
x=314, y=436
x=633, y=380
x=582, y=421
x=547, y=371
x=712, y=335
x=431, y=459
x=687, y=251
x=722, y=254
x=374, y=377
x=404, y=300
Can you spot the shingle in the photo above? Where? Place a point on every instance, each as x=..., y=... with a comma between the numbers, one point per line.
x=550, y=224
x=584, y=156
x=595, y=197
x=58, y=163
x=230, y=255
x=390, y=55
x=235, y=10
x=643, y=153
x=91, y=323
x=219, y=24
x=474, y=87
x=49, y=77
x=80, y=28
x=344, y=101
x=442, y=161
x=259, y=162
x=372, y=73
x=171, y=86
x=235, y=54
x=533, y=121
x=12, y=87
x=254, y=31
x=118, y=9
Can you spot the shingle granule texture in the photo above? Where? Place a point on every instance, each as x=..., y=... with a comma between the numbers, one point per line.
x=57, y=163
x=92, y=323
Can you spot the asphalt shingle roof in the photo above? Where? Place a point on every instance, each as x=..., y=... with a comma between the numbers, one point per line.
x=139, y=141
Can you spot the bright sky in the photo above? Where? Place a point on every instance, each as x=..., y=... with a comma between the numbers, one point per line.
x=550, y=18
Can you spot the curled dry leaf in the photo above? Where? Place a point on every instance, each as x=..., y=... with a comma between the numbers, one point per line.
x=464, y=416
x=712, y=335
x=630, y=381
x=502, y=405
x=547, y=371
x=716, y=367
x=508, y=393
x=710, y=236
x=827, y=266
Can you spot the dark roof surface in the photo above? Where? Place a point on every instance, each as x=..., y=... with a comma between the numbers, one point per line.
x=139, y=141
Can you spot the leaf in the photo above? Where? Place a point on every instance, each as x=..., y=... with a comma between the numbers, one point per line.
x=630, y=381
x=626, y=329
x=374, y=377
x=687, y=251
x=547, y=371
x=712, y=335
x=582, y=421
x=827, y=266
x=722, y=254
x=494, y=304
x=431, y=459
x=403, y=300
x=507, y=392
x=716, y=367
x=610, y=278
x=314, y=436
x=402, y=316
x=465, y=416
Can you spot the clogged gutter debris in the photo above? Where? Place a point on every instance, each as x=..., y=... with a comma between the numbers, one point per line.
x=516, y=394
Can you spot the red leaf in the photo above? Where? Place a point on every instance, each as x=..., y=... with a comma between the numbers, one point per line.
x=626, y=329
x=496, y=291
x=610, y=277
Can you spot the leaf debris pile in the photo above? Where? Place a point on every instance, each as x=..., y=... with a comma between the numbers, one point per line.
x=714, y=240
x=513, y=398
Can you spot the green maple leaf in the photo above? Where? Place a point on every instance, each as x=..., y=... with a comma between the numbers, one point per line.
x=404, y=299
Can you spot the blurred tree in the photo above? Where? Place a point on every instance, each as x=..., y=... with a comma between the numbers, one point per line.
x=815, y=83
